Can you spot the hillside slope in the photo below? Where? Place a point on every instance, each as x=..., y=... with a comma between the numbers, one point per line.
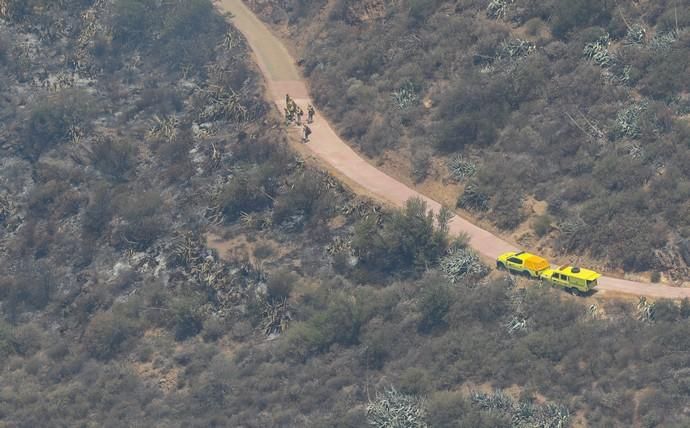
x=565, y=123
x=167, y=259
x=282, y=77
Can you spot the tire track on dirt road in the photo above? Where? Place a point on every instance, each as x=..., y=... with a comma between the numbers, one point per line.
x=282, y=77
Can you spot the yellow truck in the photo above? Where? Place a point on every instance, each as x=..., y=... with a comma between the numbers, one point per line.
x=574, y=279
x=522, y=263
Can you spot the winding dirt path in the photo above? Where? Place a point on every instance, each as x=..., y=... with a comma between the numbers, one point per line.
x=282, y=77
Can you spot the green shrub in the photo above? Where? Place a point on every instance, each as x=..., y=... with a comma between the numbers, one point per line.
x=666, y=310
x=339, y=322
x=8, y=343
x=433, y=305
x=107, y=334
x=31, y=288
x=421, y=162
x=186, y=317
x=569, y=15
x=133, y=20
x=214, y=328
x=471, y=112
x=114, y=158
x=44, y=197
x=51, y=120
x=309, y=196
x=247, y=192
x=143, y=224
x=98, y=212
x=190, y=32
x=541, y=225
x=4, y=50
x=408, y=242
x=420, y=10
x=178, y=32
x=280, y=283
x=533, y=26
x=378, y=347
x=506, y=207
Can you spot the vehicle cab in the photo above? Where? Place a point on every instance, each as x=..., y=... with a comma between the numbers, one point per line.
x=522, y=263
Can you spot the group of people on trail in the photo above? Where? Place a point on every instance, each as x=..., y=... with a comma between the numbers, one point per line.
x=294, y=113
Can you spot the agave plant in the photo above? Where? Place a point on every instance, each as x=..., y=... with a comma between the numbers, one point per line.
x=473, y=199
x=636, y=35
x=635, y=151
x=164, y=128
x=598, y=51
x=627, y=120
x=497, y=8
x=405, y=97
x=277, y=317
x=5, y=8
x=6, y=207
x=645, y=310
x=230, y=40
x=460, y=263
x=339, y=245
x=186, y=249
x=461, y=168
x=523, y=414
x=516, y=324
x=223, y=103
x=619, y=73
x=663, y=41
x=393, y=409
x=499, y=400
x=515, y=48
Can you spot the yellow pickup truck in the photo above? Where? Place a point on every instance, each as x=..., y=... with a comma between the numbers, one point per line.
x=522, y=263
x=574, y=279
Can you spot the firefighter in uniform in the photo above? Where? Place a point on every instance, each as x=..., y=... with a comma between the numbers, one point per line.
x=299, y=114
x=306, y=132
x=310, y=114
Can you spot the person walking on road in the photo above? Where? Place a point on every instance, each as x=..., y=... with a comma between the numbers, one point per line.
x=288, y=116
x=306, y=132
x=300, y=113
x=310, y=113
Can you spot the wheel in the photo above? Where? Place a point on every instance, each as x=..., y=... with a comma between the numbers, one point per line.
x=575, y=291
x=500, y=266
x=526, y=274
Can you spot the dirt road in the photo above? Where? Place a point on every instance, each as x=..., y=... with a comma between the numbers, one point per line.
x=282, y=77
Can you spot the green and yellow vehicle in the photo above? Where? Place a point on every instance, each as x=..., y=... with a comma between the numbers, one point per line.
x=522, y=263
x=574, y=279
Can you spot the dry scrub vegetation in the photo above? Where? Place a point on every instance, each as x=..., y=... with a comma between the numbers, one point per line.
x=581, y=104
x=136, y=146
